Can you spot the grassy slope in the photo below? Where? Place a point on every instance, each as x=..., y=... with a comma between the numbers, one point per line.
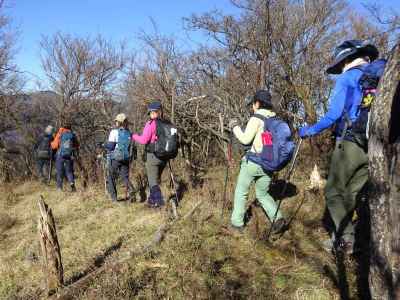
x=200, y=258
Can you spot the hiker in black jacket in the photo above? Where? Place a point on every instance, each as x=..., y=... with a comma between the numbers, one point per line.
x=43, y=153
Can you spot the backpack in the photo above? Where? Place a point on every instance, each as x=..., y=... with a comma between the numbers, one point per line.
x=122, y=149
x=67, y=144
x=278, y=146
x=166, y=145
x=43, y=150
x=369, y=81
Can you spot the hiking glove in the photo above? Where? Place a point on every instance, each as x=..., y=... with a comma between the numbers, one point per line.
x=233, y=123
x=305, y=131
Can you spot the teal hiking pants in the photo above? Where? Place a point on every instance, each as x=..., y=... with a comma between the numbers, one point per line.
x=251, y=172
x=348, y=173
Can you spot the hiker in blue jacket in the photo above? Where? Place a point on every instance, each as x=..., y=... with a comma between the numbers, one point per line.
x=348, y=170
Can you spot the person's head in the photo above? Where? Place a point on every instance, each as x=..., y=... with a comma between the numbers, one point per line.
x=66, y=123
x=261, y=100
x=350, y=50
x=121, y=120
x=49, y=130
x=155, y=110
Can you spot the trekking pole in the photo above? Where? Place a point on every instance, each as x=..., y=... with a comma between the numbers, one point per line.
x=176, y=201
x=50, y=169
x=292, y=217
x=287, y=178
x=228, y=161
x=106, y=170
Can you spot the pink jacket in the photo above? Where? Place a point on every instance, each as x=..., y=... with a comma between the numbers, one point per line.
x=149, y=134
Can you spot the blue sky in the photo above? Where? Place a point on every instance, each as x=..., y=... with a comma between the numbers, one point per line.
x=115, y=19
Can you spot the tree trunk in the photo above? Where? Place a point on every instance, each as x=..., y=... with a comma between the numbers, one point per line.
x=52, y=264
x=383, y=151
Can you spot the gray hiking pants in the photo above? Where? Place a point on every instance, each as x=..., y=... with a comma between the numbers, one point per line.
x=154, y=169
x=348, y=173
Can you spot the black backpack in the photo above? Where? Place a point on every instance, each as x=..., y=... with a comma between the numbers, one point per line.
x=43, y=150
x=369, y=81
x=166, y=145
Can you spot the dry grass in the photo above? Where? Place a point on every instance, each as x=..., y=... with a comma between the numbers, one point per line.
x=199, y=259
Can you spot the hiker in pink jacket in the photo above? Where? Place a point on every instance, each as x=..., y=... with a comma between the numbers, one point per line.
x=154, y=165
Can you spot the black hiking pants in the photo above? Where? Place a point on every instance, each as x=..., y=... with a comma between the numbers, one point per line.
x=118, y=168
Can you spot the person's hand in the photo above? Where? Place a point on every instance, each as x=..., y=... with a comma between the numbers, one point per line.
x=233, y=123
x=305, y=132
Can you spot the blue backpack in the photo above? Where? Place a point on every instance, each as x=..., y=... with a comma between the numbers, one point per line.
x=67, y=144
x=278, y=146
x=369, y=80
x=121, y=151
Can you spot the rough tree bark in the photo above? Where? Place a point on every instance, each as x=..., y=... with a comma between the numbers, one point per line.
x=384, y=148
x=52, y=264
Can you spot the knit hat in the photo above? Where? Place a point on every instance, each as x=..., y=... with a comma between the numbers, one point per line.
x=121, y=118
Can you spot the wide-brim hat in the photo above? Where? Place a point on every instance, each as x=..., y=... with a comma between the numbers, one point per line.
x=349, y=48
x=120, y=118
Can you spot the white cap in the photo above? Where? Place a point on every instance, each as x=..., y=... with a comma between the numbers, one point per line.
x=120, y=118
x=49, y=129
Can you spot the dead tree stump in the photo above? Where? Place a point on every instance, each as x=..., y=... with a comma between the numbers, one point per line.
x=51, y=262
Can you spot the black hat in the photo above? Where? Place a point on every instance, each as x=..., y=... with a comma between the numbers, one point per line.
x=349, y=48
x=155, y=105
x=264, y=97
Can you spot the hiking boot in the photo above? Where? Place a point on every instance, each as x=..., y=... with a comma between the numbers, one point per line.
x=72, y=188
x=153, y=206
x=344, y=245
x=279, y=226
x=348, y=247
x=131, y=197
x=236, y=229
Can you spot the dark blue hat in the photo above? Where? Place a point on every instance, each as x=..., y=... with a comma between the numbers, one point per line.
x=263, y=96
x=349, y=48
x=155, y=105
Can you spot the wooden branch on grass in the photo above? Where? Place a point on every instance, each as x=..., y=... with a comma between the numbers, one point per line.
x=157, y=238
x=52, y=263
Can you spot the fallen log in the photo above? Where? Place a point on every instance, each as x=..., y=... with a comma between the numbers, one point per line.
x=69, y=291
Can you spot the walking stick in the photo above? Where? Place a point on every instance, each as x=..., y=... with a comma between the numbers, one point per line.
x=228, y=162
x=287, y=178
x=176, y=201
x=106, y=171
x=50, y=169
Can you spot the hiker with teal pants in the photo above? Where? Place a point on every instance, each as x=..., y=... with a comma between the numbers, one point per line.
x=348, y=170
x=251, y=167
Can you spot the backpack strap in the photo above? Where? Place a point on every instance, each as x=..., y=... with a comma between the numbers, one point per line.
x=261, y=117
x=266, y=120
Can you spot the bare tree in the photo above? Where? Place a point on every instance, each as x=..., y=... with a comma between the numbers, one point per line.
x=85, y=73
x=384, y=151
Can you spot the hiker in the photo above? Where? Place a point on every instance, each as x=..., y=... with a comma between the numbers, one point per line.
x=158, y=150
x=348, y=170
x=119, y=147
x=66, y=146
x=44, y=153
x=250, y=171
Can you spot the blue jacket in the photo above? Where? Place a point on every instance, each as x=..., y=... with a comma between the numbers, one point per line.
x=345, y=99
